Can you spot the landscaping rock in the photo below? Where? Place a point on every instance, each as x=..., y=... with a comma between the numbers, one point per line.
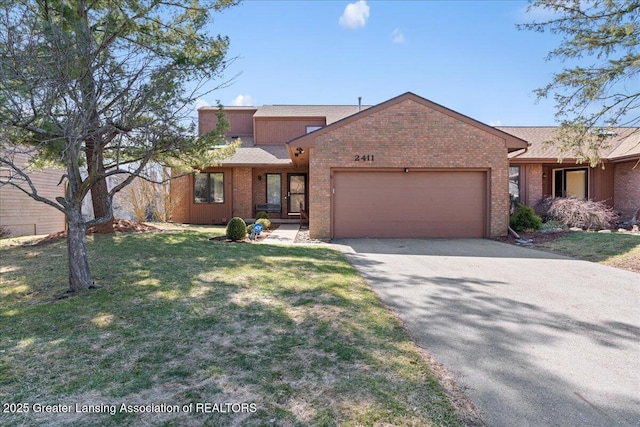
x=604, y=231
x=523, y=242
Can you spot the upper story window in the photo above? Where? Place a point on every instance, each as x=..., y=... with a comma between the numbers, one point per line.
x=310, y=128
x=208, y=187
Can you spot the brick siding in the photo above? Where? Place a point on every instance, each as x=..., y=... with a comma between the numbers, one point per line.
x=534, y=184
x=242, y=192
x=408, y=134
x=626, y=188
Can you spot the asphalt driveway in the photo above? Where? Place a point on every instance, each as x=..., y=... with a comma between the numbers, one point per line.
x=536, y=339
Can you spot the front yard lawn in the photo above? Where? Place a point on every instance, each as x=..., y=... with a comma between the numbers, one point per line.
x=620, y=250
x=210, y=333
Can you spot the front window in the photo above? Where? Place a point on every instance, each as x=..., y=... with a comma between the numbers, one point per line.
x=208, y=187
x=571, y=183
x=274, y=188
x=514, y=183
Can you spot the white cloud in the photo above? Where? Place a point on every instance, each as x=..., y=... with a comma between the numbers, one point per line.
x=355, y=15
x=201, y=103
x=397, y=36
x=243, y=101
x=495, y=123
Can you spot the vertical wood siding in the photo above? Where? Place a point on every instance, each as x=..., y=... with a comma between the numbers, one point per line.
x=241, y=121
x=270, y=131
x=201, y=213
x=181, y=198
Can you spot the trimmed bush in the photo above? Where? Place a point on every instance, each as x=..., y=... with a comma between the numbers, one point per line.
x=249, y=228
x=236, y=229
x=261, y=215
x=577, y=213
x=525, y=219
x=265, y=222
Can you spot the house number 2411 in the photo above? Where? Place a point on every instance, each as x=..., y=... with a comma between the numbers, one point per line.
x=363, y=158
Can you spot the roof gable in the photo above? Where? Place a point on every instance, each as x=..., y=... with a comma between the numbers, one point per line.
x=511, y=142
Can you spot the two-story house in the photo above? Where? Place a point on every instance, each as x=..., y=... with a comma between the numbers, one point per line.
x=404, y=168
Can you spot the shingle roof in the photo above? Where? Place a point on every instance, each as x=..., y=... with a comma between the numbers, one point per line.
x=333, y=113
x=248, y=154
x=512, y=142
x=625, y=142
x=629, y=145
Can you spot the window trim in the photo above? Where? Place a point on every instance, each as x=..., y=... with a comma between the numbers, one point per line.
x=266, y=186
x=208, y=188
x=564, y=171
x=518, y=182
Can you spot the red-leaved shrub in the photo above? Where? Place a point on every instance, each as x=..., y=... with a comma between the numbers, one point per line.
x=577, y=213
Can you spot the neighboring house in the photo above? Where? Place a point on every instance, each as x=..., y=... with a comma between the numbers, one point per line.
x=536, y=172
x=22, y=215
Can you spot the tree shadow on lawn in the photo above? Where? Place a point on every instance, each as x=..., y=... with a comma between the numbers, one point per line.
x=523, y=362
x=179, y=319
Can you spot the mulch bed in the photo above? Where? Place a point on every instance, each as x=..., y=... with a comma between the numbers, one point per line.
x=118, y=226
x=537, y=237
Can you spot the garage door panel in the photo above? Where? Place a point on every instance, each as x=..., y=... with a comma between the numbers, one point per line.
x=414, y=204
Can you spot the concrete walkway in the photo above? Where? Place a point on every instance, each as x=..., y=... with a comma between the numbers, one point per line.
x=285, y=234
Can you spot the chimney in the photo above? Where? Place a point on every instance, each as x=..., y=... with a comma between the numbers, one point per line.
x=359, y=103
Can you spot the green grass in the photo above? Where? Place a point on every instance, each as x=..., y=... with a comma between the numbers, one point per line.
x=177, y=319
x=614, y=249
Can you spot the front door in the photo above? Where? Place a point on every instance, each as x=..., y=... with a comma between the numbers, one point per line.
x=297, y=192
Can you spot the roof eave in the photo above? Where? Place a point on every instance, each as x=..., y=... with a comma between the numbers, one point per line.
x=626, y=158
x=512, y=143
x=252, y=164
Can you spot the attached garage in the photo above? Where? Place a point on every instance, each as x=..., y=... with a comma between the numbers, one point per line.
x=396, y=204
x=407, y=168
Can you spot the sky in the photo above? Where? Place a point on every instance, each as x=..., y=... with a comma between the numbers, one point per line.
x=465, y=55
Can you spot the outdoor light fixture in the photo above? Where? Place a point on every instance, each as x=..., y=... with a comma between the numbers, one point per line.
x=299, y=151
x=406, y=170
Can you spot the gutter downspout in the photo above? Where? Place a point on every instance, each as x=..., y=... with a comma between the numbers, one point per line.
x=520, y=154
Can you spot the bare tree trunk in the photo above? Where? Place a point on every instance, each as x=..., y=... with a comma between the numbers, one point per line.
x=99, y=191
x=79, y=274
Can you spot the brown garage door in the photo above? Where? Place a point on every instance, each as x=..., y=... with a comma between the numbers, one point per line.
x=414, y=204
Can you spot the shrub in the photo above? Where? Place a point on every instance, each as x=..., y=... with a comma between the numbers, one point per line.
x=578, y=213
x=262, y=214
x=266, y=223
x=525, y=219
x=236, y=229
x=4, y=232
x=249, y=228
